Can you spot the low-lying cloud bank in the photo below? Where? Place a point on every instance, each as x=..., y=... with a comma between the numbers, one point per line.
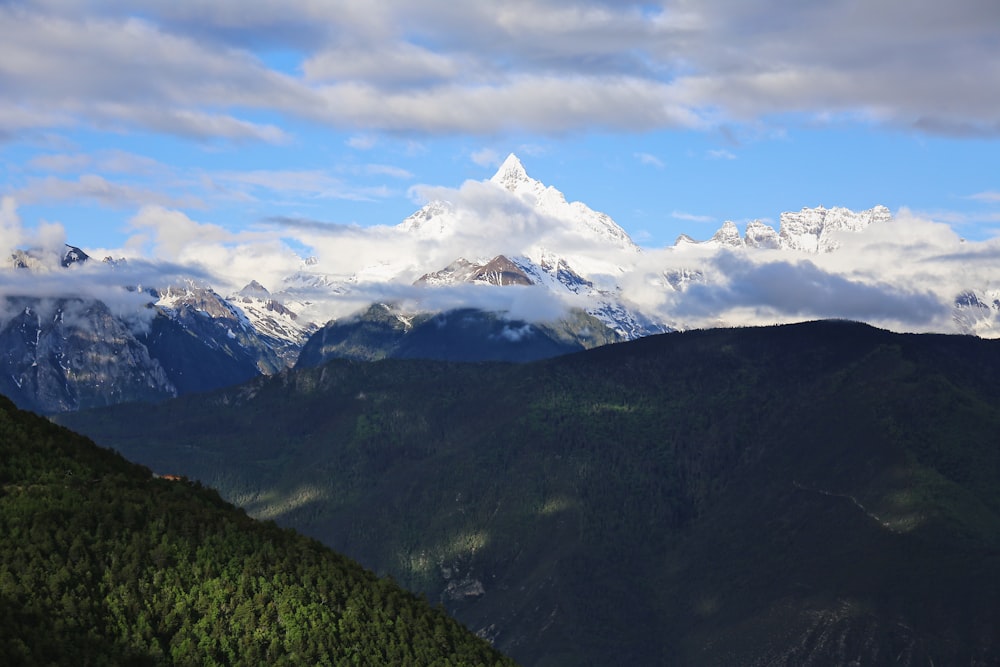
x=904, y=274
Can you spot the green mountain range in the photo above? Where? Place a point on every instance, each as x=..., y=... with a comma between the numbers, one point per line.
x=823, y=493
x=103, y=564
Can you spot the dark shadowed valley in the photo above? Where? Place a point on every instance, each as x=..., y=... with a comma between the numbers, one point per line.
x=821, y=493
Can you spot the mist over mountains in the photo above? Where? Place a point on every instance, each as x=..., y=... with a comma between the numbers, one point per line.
x=510, y=247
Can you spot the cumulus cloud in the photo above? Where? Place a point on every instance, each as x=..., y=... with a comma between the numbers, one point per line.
x=230, y=259
x=46, y=240
x=783, y=290
x=10, y=226
x=48, y=286
x=903, y=274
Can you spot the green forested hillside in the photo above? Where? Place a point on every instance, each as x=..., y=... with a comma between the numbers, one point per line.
x=823, y=493
x=102, y=564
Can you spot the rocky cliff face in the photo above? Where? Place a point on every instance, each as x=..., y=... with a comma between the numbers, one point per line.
x=68, y=354
x=499, y=271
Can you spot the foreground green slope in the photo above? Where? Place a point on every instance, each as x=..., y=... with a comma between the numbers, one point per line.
x=824, y=493
x=101, y=564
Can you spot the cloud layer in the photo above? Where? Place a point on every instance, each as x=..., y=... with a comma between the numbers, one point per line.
x=904, y=274
x=190, y=69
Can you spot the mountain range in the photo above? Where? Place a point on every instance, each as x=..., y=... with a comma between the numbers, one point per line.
x=542, y=276
x=821, y=493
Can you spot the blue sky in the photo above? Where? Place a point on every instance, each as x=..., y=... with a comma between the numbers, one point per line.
x=671, y=117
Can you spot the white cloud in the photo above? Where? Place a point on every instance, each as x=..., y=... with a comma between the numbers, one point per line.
x=543, y=66
x=227, y=259
x=800, y=289
x=904, y=274
x=10, y=226
x=90, y=69
x=532, y=102
x=174, y=234
x=46, y=240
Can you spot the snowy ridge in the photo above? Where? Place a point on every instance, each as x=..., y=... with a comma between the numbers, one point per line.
x=811, y=230
x=271, y=316
x=202, y=299
x=583, y=220
x=815, y=230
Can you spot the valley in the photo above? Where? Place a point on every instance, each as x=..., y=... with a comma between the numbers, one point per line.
x=816, y=492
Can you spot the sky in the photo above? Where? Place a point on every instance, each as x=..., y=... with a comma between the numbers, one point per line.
x=671, y=117
x=135, y=128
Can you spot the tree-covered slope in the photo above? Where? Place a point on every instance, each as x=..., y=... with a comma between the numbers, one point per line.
x=103, y=564
x=812, y=494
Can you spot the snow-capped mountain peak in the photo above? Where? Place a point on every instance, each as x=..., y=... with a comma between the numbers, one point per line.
x=549, y=201
x=254, y=290
x=439, y=219
x=728, y=235
x=512, y=176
